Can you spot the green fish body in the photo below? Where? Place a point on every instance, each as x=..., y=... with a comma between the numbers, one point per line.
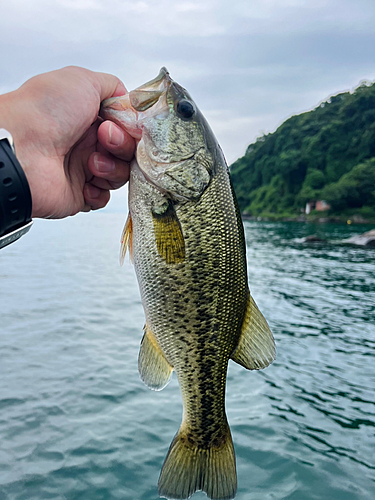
x=187, y=242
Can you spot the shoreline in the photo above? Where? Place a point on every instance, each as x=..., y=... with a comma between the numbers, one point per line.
x=336, y=219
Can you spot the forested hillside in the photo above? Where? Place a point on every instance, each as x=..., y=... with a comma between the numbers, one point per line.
x=325, y=154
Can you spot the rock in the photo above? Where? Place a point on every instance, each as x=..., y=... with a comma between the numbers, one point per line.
x=313, y=238
x=358, y=219
x=365, y=239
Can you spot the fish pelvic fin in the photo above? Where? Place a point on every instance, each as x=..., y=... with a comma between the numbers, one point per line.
x=154, y=369
x=256, y=347
x=127, y=240
x=188, y=468
x=168, y=236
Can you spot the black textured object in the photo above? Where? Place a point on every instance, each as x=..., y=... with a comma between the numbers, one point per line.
x=15, y=195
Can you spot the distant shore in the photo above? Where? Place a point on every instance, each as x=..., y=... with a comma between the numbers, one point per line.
x=314, y=218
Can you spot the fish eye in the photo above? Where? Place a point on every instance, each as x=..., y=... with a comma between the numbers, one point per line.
x=185, y=109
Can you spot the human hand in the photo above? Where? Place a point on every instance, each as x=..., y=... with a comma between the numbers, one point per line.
x=70, y=157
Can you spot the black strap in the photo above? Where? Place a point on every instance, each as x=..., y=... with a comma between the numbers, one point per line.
x=15, y=195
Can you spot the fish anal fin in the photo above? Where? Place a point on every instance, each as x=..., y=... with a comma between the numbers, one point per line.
x=154, y=369
x=256, y=346
x=168, y=236
x=127, y=240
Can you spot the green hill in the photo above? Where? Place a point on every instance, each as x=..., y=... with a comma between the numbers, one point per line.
x=325, y=154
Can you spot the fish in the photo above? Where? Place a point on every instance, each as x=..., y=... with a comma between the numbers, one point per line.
x=186, y=239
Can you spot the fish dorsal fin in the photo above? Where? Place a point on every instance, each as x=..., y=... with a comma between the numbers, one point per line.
x=154, y=369
x=256, y=347
x=127, y=240
x=168, y=236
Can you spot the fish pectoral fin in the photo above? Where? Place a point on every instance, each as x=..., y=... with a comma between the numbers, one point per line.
x=127, y=240
x=168, y=236
x=256, y=347
x=154, y=369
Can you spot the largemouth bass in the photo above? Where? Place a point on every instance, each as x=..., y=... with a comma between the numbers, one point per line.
x=186, y=238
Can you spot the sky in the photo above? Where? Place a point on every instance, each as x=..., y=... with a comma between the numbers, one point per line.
x=249, y=65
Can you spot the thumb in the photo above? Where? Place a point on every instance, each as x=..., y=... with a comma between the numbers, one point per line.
x=108, y=85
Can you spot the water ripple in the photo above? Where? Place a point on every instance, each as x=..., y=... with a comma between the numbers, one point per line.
x=76, y=422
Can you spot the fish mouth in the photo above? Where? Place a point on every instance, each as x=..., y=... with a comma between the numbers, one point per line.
x=148, y=94
x=131, y=109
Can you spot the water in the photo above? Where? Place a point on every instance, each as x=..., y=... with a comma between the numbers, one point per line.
x=76, y=422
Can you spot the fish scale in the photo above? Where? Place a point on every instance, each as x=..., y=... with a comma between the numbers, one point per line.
x=198, y=344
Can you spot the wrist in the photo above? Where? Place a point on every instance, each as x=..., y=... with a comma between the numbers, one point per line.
x=15, y=195
x=16, y=118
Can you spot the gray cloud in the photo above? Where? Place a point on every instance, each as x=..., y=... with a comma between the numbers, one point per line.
x=249, y=65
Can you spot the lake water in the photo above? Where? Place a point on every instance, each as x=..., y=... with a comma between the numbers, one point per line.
x=76, y=422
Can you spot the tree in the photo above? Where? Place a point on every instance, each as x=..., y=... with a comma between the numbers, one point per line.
x=354, y=189
x=313, y=155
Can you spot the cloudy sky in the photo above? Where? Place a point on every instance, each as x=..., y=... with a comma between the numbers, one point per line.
x=249, y=64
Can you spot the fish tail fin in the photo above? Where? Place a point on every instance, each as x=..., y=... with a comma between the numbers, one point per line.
x=189, y=468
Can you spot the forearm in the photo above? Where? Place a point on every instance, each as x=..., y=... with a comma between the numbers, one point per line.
x=10, y=114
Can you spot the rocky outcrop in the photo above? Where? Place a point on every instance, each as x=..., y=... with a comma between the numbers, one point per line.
x=365, y=239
